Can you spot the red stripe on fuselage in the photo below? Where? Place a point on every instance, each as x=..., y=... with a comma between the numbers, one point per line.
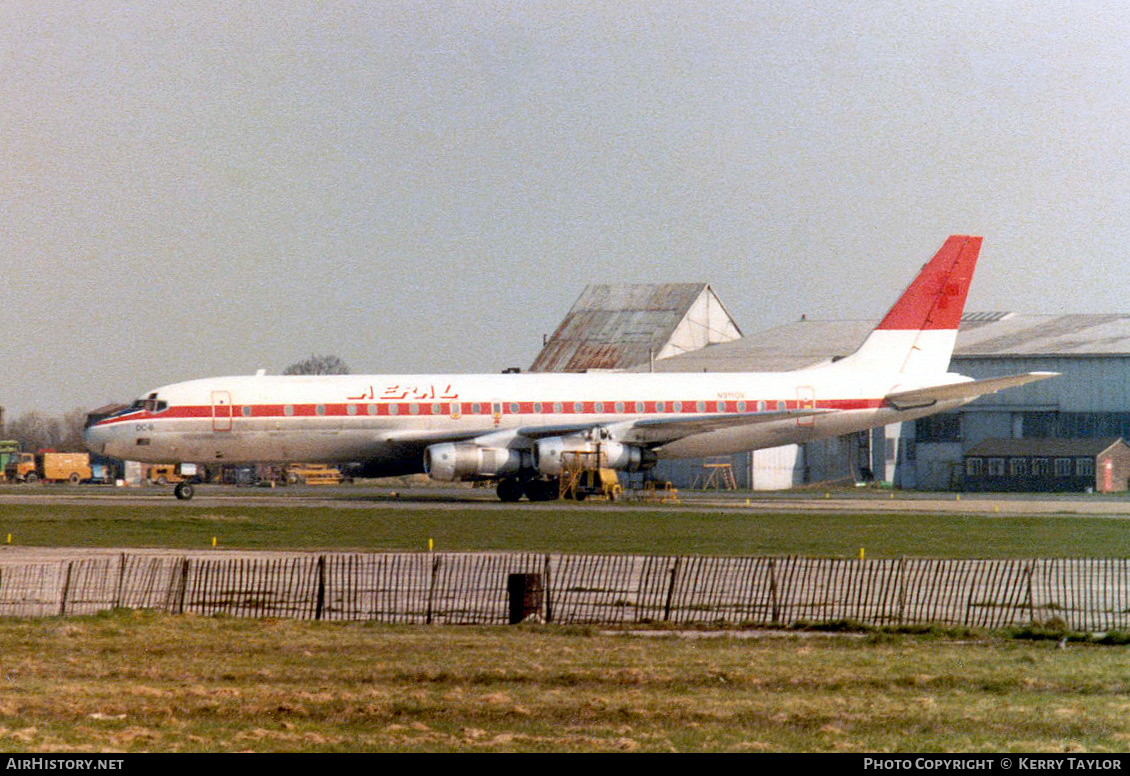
x=445, y=409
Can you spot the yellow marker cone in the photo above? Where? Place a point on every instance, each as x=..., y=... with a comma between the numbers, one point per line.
x=861, y=553
x=213, y=542
x=431, y=544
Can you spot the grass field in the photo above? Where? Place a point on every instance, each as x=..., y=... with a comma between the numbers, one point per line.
x=659, y=531
x=138, y=681
x=131, y=681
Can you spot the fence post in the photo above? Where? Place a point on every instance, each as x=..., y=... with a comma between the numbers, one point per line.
x=432, y=589
x=183, y=587
x=319, y=608
x=671, y=590
x=121, y=581
x=773, y=590
x=66, y=589
x=546, y=589
x=524, y=592
x=902, y=588
x=1031, y=602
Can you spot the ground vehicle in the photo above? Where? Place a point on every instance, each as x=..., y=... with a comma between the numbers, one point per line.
x=50, y=467
x=9, y=450
x=592, y=483
x=163, y=474
x=312, y=474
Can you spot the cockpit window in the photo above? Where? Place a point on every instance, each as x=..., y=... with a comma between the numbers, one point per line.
x=150, y=404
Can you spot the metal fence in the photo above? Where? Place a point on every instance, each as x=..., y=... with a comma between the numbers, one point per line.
x=1087, y=594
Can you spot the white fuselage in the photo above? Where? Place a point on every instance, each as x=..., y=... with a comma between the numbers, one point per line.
x=388, y=420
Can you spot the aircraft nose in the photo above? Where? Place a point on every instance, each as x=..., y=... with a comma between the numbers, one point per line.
x=94, y=437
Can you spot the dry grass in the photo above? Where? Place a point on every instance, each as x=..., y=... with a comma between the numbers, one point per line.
x=134, y=681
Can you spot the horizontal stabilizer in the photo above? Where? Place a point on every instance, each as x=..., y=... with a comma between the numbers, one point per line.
x=969, y=389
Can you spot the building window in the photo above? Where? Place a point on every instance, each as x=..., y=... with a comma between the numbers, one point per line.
x=1040, y=467
x=973, y=467
x=1018, y=467
x=1062, y=467
x=938, y=428
x=1084, y=467
x=996, y=467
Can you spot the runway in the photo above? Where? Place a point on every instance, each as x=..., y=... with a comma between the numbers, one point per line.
x=365, y=496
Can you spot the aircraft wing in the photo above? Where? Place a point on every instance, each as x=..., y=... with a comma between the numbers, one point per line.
x=654, y=431
x=646, y=431
x=970, y=389
x=665, y=429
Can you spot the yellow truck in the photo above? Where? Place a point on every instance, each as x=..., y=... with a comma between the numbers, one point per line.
x=163, y=474
x=49, y=467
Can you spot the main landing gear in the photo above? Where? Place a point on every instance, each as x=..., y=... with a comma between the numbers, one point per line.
x=512, y=489
x=184, y=491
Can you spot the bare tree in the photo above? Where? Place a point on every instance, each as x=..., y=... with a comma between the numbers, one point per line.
x=318, y=365
x=35, y=431
x=70, y=432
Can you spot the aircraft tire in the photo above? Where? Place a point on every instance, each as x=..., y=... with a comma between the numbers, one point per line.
x=184, y=491
x=541, y=490
x=509, y=490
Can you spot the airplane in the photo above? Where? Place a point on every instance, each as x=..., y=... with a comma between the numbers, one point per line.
x=523, y=431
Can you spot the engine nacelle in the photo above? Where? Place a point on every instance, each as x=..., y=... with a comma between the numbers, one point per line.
x=452, y=462
x=550, y=455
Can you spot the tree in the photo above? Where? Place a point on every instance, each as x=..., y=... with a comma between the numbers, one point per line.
x=37, y=431
x=318, y=365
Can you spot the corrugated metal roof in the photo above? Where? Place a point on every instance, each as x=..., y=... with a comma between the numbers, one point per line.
x=780, y=349
x=982, y=335
x=1047, y=335
x=619, y=325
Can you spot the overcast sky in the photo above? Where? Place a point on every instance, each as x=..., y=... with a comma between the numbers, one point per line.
x=196, y=189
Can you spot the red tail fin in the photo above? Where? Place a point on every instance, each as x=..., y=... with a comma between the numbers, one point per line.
x=936, y=298
x=918, y=334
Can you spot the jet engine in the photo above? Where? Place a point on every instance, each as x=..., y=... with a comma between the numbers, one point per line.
x=550, y=455
x=455, y=462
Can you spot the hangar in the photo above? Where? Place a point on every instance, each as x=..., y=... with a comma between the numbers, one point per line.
x=694, y=333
